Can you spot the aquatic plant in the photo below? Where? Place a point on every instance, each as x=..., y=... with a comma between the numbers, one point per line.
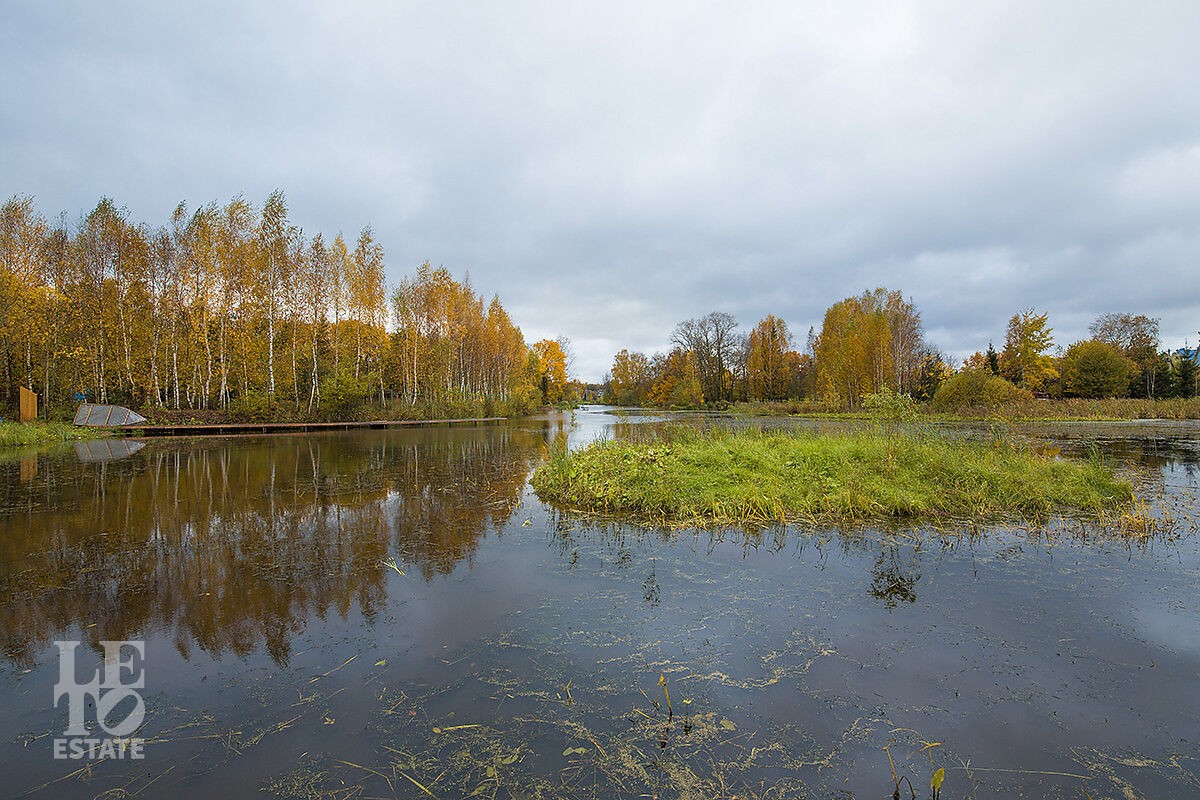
x=662, y=681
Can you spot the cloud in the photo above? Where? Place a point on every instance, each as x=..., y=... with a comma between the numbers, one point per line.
x=612, y=170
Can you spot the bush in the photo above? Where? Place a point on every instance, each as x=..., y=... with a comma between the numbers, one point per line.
x=342, y=391
x=976, y=389
x=774, y=408
x=255, y=407
x=889, y=405
x=523, y=399
x=1096, y=369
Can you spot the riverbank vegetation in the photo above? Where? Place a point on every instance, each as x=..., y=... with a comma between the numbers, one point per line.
x=234, y=309
x=874, y=343
x=1028, y=409
x=688, y=476
x=19, y=434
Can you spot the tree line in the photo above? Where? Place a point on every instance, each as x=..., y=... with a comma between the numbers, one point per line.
x=875, y=343
x=1123, y=358
x=234, y=308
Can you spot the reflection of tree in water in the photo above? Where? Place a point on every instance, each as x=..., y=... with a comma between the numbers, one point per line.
x=444, y=505
x=892, y=580
x=1153, y=455
x=233, y=545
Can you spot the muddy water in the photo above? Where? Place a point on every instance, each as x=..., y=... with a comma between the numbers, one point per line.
x=523, y=652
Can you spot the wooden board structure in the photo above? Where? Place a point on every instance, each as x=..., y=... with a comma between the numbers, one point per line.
x=251, y=428
x=28, y=406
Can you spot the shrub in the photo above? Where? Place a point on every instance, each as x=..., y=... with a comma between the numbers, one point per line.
x=255, y=407
x=976, y=389
x=1096, y=369
x=889, y=405
x=342, y=391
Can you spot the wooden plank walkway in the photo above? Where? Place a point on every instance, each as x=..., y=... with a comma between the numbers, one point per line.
x=241, y=428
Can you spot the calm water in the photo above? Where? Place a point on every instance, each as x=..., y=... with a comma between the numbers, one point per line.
x=520, y=652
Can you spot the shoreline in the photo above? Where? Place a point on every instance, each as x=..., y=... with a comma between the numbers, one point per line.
x=1056, y=411
x=30, y=434
x=236, y=428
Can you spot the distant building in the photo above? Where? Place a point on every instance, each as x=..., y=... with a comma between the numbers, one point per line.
x=592, y=393
x=1193, y=354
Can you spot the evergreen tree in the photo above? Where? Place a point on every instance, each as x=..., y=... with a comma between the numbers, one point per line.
x=1185, y=375
x=993, y=359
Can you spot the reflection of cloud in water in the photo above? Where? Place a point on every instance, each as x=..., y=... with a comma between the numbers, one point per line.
x=1176, y=630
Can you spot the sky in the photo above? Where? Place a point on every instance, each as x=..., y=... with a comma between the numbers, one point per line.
x=610, y=169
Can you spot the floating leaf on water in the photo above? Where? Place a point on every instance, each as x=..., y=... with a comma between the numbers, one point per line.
x=936, y=781
x=573, y=751
x=381, y=662
x=728, y=725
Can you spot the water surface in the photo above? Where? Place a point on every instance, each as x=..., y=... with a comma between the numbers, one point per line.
x=521, y=653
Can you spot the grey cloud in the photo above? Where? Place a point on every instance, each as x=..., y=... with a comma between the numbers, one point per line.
x=612, y=170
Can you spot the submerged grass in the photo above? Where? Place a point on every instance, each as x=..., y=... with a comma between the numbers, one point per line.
x=690, y=476
x=16, y=434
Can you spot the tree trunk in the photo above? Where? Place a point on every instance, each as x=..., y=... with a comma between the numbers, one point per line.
x=314, y=392
x=224, y=399
x=207, y=361
x=295, y=373
x=175, y=355
x=271, y=347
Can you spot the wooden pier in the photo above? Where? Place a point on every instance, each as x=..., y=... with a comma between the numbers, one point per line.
x=246, y=428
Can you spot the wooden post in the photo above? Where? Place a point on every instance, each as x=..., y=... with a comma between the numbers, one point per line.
x=28, y=406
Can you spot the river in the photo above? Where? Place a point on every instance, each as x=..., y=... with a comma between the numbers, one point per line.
x=394, y=613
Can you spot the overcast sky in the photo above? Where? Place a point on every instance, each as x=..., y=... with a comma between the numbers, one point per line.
x=610, y=169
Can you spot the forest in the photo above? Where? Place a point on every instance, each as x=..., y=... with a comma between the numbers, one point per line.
x=873, y=346
x=233, y=309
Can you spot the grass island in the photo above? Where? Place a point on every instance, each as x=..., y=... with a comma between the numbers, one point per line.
x=715, y=476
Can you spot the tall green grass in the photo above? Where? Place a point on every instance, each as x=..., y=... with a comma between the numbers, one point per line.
x=17, y=434
x=719, y=476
